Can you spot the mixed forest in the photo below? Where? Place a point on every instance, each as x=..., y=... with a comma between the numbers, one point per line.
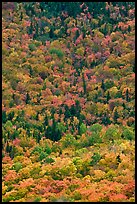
x=68, y=101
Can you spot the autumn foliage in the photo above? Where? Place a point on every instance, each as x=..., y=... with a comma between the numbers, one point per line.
x=68, y=102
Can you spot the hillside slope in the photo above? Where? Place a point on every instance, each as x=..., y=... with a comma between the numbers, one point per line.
x=68, y=101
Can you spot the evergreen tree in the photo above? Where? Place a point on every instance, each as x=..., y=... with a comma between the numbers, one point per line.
x=73, y=110
x=127, y=95
x=31, y=71
x=129, y=28
x=14, y=135
x=12, y=152
x=116, y=116
x=60, y=111
x=53, y=130
x=118, y=159
x=30, y=30
x=37, y=116
x=13, y=96
x=48, y=132
x=84, y=84
x=78, y=109
x=76, y=35
x=28, y=98
x=51, y=33
x=7, y=147
x=4, y=117
x=93, y=64
x=67, y=112
x=21, y=16
x=38, y=138
x=108, y=96
x=46, y=121
x=56, y=134
x=38, y=98
x=11, y=115
x=106, y=120
x=52, y=112
x=124, y=106
x=103, y=85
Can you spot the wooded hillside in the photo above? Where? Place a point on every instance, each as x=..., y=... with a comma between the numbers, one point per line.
x=68, y=101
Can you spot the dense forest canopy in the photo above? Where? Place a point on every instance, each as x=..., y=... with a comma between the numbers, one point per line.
x=68, y=101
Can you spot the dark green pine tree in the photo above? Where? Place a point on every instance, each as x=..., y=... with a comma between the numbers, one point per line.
x=28, y=98
x=36, y=31
x=93, y=64
x=105, y=119
x=103, y=85
x=73, y=110
x=51, y=33
x=7, y=147
x=76, y=35
x=38, y=138
x=124, y=106
x=11, y=115
x=52, y=112
x=30, y=31
x=48, y=132
x=31, y=71
x=12, y=152
x=118, y=159
x=54, y=131
x=60, y=111
x=4, y=117
x=108, y=96
x=105, y=29
x=37, y=116
x=21, y=16
x=67, y=112
x=13, y=96
x=38, y=98
x=46, y=123
x=84, y=84
x=14, y=135
x=127, y=95
x=78, y=109
x=84, y=34
x=116, y=116
x=129, y=28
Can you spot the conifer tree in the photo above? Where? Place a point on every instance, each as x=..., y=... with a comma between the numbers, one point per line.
x=105, y=119
x=46, y=121
x=116, y=116
x=103, y=85
x=4, y=117
x=127, y=95
x=7, y=147
x=84, y=84
x=124, y=106
x=38, y=138
x=129, y=28
x=108, y=96
x=28, y=98
x=11, y=115
x=77, y=34
x=51, y=33
x=37, y=116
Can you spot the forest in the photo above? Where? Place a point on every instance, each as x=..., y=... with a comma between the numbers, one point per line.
x=68, y=101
